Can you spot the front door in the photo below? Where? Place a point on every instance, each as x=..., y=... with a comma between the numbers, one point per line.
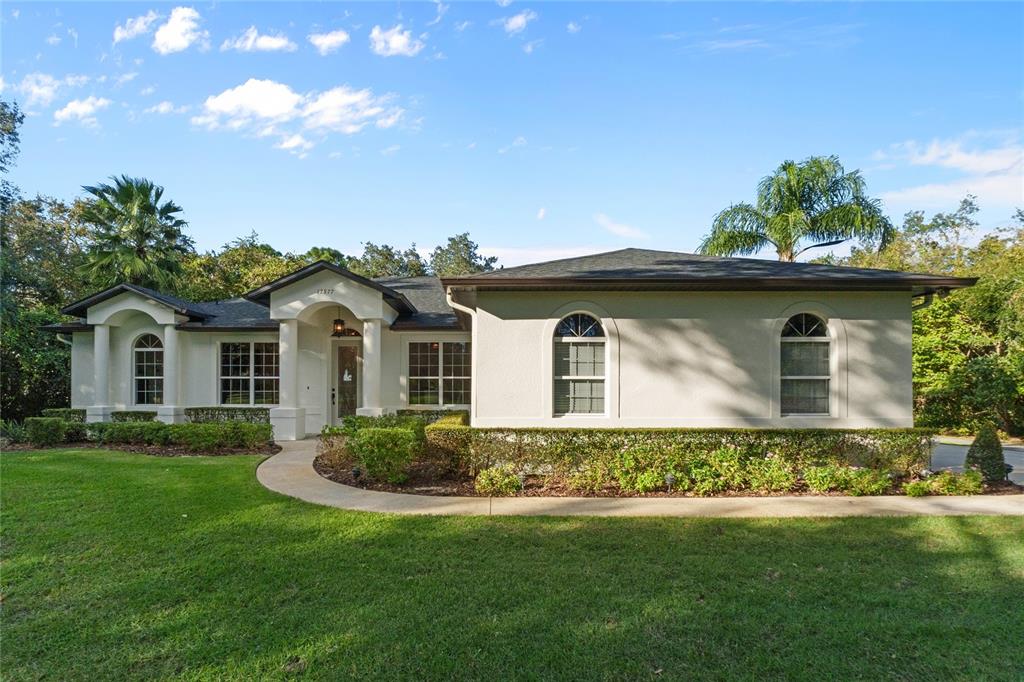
x=347, y=391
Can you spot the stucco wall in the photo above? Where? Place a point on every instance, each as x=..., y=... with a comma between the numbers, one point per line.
x=693, y=359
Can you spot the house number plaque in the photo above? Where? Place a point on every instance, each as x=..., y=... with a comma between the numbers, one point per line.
x=325, y=291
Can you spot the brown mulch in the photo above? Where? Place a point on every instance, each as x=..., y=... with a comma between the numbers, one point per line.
x=426, y=478
x=155, y=450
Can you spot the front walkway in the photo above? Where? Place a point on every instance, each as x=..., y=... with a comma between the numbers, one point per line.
x=291, y=472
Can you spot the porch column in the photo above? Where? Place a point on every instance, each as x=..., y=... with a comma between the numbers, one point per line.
x=371, y=369
x=288, y=419
x=170, y=412
x=100, y=410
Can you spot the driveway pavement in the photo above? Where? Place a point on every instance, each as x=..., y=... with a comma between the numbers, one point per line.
x=950, y=453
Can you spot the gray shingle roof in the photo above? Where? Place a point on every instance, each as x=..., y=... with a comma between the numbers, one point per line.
x=641, y=267
x=79, y=308
x=427, y=295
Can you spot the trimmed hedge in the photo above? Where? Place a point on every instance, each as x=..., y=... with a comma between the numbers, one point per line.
x=44, y=432
x=385, y=453
x=132, y=416
x=68, y=414
x=597, y=453
x=448, y=441
x=213, y=415
x=432, y=416
x=193, y=437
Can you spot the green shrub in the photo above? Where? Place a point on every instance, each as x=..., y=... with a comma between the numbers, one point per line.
x=212, y=415
x=75, y=432
x=951, y=483
x=986, y=455
x=434, y=416
x=826, y=478
x=12, y=431
x=716, y=472
x=68, y=414
x=642, y=468
x=917, y=488
x=45, y=432
x=353, y=423
x=448, y=441
x=132, y=416
x=861, y=482
x=385, y=453
x=192, y=437
x=770, y=475
x=497, y=482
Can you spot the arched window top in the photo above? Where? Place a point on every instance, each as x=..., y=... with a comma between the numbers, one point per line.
x=149, y=341
x=805, y=325
x=579, y=325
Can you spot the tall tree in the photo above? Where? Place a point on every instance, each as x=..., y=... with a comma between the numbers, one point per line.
x=138, y=238
x=11, y=119
x=240, y=266
x=801, y=206
x=388, y=261
x=459, y=256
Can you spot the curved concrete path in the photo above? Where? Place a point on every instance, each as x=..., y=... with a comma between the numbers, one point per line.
x=291, y=473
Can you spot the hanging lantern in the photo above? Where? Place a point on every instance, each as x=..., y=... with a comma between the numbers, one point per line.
x=338, y=328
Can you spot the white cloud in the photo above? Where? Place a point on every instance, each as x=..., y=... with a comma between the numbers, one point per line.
x=3, y=84
x=573, y=27
x=166, y=107
x=542, y=213
x=517, y=22
x=15, y=13
x=41, y=88
x=180, y=31
x=148, y=90
x=135, y=27
x=503, y=3
x=265, y=108
x=388, y=151
x=53, y=39
x=619, y=229
x=441, y=9
x=326, y=43
x=252, y=40
x=529, y=47
x=463, y=25
x=394, y=41
x=518, y=142
x=73, y=34
x=81, y=110
x=295, y=143
x=991, y=166
x=125, y=78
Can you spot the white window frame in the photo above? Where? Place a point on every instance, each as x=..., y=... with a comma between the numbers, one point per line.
x=604, y=378
x=252, y=374
x=136, y=378
x=409, y=378
x=827, y=339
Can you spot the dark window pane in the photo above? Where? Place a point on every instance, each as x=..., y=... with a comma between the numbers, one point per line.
x=423, y=392
x=805, y=359
x=579, y=325
x=805, y=396
x=805, y=325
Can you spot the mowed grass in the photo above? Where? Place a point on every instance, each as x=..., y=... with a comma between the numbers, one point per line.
x=120, y=565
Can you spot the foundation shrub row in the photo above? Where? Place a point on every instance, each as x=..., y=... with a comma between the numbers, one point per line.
x=51, y=431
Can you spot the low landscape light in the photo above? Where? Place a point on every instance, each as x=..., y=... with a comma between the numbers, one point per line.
x=670, y=480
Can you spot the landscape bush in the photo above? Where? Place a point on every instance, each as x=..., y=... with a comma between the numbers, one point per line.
x=946, y=483
x=68, y=414
x=12, y=432
x=826, y=478
x=986, y=455
x=75, y=432
x=770, y=475
x=385, y=452
x=448, y=441
x=208, y=415
x=861, y=482
x=132, y=416
x=192, y=437
x=45, y=432
x=497, y=482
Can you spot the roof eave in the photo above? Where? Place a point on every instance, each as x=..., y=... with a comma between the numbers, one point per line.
x=81, y=307
x=261, y=295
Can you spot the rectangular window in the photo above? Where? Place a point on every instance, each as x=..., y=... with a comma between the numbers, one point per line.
x=805, y=377
x=249, y=373
x=579, y=377
x=439, y=373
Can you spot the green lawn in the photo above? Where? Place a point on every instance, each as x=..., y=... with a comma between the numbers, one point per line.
x=122, y=565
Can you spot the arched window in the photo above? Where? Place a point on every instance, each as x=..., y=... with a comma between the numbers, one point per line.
x=579, y=366
x=805, y=365
x=149, y=370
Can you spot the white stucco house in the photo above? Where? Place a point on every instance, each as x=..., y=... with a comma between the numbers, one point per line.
x=629, y=338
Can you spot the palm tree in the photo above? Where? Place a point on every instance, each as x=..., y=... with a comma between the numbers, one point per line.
x=138, y=239
x=815, y=201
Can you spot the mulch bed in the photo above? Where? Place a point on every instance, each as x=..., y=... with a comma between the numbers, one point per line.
x=155, y=450
x=429, y=479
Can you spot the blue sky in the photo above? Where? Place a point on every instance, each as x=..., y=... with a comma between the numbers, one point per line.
x=544, y=129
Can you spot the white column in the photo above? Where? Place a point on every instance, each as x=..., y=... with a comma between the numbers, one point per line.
x=170, y=412
x=100, y=410
x=371, y=369
x=288, y=419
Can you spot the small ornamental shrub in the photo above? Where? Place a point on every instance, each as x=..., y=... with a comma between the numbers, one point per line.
x=917, y=488
x=497, y=482
x=12, y=431
x=826, y=478
x=770, y=475
x=352, y=424
x=861, y=482
x=448, y=441
x=207, y=415
x=642, y=468
x=68, y=414
x=385, y=453
x=951, y=483
x=75, y=432
x=45, y=432
x=716, y=472
x=132, y=416
x=986, y=455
